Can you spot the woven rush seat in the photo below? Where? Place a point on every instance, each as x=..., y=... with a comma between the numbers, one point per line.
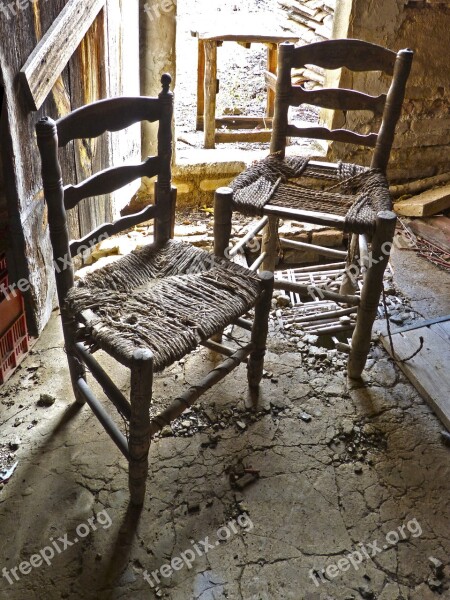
x=358, y=196
x=167, y=299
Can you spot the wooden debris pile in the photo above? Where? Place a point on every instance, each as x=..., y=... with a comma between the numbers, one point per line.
x=312, y=21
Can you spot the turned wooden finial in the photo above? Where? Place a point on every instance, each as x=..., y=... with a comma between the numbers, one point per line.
x=166, y=80
x=46, y=127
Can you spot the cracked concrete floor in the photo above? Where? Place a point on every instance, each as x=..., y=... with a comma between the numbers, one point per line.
x=359, y=473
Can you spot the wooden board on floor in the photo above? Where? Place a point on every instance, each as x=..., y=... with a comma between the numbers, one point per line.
x=428, y=371
x=435, y=230
x=425, y=204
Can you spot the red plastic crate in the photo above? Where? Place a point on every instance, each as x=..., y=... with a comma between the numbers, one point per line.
x=14, y=341
x=3, y=283
x=3, y=275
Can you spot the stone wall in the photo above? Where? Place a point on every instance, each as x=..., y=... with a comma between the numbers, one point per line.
x=421, y=147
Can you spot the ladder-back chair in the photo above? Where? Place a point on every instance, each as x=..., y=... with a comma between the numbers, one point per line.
x=153, y=306
x=349, y=197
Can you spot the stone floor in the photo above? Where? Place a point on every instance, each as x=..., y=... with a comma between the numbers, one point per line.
x=351, y=501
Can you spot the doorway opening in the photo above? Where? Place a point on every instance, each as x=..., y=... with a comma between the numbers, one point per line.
x=240, y=70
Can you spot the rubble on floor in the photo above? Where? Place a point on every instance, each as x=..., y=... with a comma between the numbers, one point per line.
x=312, y=21
x=316, y=470
x=429, y=238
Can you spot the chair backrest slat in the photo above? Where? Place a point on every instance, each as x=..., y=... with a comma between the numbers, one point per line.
x=356, y=55
x=108, y=229
x=338, y=99
x=109, y=180
x=91, y=121
x=113, y=114
x=336, y=135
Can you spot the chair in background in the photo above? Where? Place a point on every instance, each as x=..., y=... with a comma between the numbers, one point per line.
x=153, y=306
x=349, y=197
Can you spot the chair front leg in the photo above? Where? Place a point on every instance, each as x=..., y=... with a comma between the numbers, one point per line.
x=260, y=330
x=270, y=244
x=139, y=443
x=371, y=292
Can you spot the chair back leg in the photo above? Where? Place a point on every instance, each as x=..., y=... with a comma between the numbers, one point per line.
x=223, y=213
x=270, y=244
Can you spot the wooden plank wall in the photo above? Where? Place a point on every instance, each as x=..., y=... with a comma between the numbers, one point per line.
x=93, y=72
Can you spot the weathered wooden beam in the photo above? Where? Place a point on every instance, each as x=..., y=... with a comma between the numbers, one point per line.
x=238, y=136
x=425, y=204
x=210, y=92
x=51, y=55
x=244, y=122
x=419, y=185
x=272, y=63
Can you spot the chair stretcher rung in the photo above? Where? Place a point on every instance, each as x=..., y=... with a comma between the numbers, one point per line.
x=321, y=250
x=108, y=386
x=220, y=348
x=248, y=236
x=189, y=397
x=108, y=424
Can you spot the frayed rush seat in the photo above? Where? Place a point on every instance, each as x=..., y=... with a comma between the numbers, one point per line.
x=358, y=196
x=154, y=306
x=348, y=197
x=166, y=299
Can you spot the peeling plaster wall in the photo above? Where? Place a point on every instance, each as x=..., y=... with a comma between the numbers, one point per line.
x=422, y=144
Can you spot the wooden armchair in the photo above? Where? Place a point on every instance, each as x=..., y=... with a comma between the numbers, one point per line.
x=153, y=306
x=348, y=197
